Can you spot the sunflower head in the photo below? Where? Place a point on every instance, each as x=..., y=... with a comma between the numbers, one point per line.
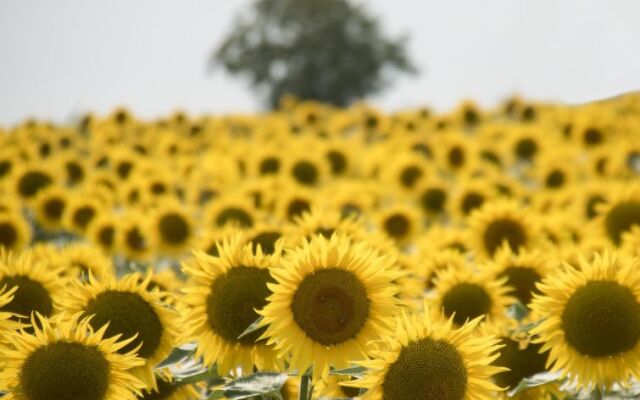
x=463, y=295
x=430, y=360
x=38, y=282
x=222, y=298
x=328, y=298
x=497, y=223
x=591, y=320
x=64, y=352
x=126, y=308
x=15, y=232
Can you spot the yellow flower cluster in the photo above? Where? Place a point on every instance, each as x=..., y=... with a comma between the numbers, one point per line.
x=473, y=254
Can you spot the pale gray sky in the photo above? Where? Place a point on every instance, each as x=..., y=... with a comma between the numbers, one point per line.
x=68, y=56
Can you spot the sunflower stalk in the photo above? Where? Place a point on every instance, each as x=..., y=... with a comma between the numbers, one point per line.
x=305, y=387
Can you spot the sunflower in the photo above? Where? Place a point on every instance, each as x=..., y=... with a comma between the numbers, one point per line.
x=463, y=294
x=406, y=171
x=68, y=358
x=352, y=197
x=502, y=221
x=520, y=358
x=523, y=271
x=232, y=209
x=469, y=195
x=294, y=202
x=169, y=390
x=332, y=296
x=103, y=232
x=620, y=213
x=401, y=222
x=439, y=237
x=80, y=212
x=15, y=232
x=29, y=180
x=208, y=241
x=431, y=263
x=134, y=237
x=131, y=311
x=82, y=260
x=39, y=284
x=428, y=359
x=591, y=321
x=557, y=172
x=220, y=303
x=455, y=152
x=266, y=240
x=173, y=228
x=75, y=169
x=306, y=167
x=50, y=205
x=324, y=222
x=433, y=196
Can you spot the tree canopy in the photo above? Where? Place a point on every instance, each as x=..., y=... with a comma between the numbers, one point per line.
x=327, y=50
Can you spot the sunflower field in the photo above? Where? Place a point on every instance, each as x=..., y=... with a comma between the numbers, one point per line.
x=316, y=252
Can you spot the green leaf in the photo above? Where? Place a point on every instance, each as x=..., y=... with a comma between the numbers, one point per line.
x=517, y=311
x=178, y=355
x=198, y=374
x=252, y=328
x=258, y=384
x=216, y=394
x=535, y=381
x=527, y=327
x=356, y=370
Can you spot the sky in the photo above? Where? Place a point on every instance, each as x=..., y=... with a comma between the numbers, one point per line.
x=62, y=58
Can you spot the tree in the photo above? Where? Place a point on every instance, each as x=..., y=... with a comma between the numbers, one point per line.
x=327, y=50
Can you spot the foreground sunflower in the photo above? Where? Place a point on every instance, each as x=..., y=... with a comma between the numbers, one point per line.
x=220, y=304
x=428, y=360
x=38, y=282
x=591, y=321
x=131, y=310
x=68, y=359
x=332, y=297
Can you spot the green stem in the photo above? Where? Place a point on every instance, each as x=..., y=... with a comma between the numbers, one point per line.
x=305, y=386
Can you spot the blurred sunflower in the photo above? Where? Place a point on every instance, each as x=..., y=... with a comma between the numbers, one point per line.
x=431, y=360
x=69, y=359
x=232, y=209
x=332, y=296
x=463, y=295
x=50, y=205
x=28, y=180
x=103, y=232
x=620, y=212
x=134, y=236
x=15, y=231
x=173, y=228
x=401, y=222
x=80, y=212
x=498, y=222
x=130, y=311
x=220, y=303
x=591, y=321
x=523, y=271
x=82, y=260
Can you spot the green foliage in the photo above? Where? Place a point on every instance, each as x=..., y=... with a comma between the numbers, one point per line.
x=327, y=50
